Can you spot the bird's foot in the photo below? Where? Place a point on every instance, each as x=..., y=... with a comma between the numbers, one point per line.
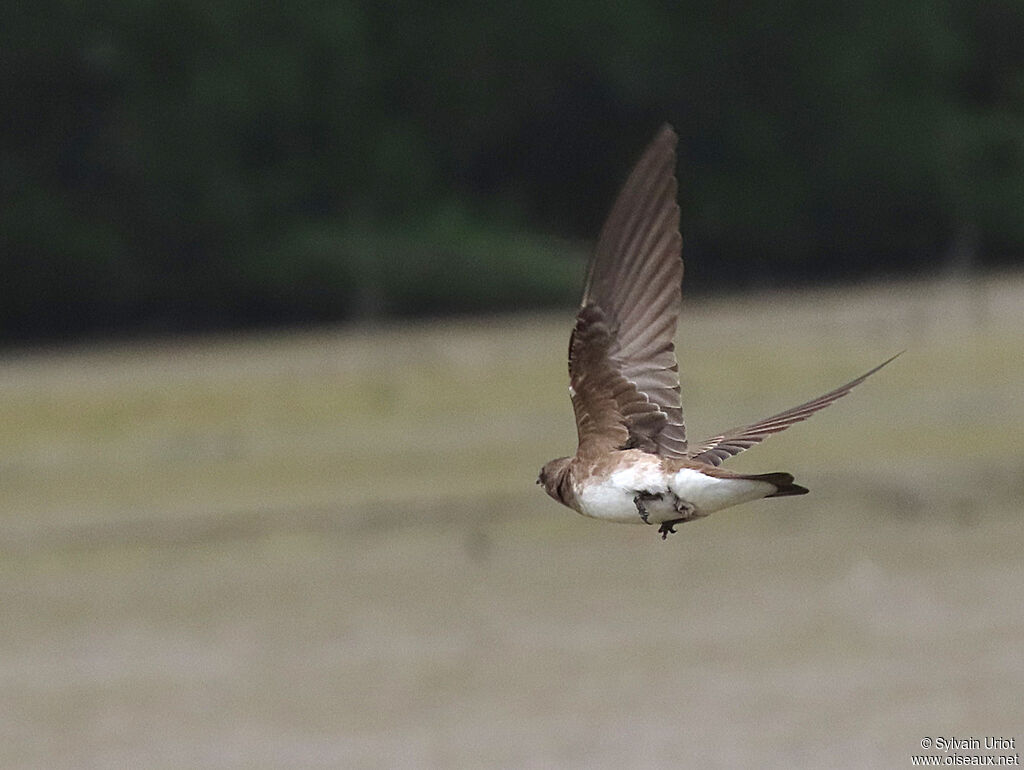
x=669, y=527
x=638, y=501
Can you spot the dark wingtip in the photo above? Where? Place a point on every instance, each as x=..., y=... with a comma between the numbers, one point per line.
x=791, y=489
x=666, y=132
x=851, y=385
x=886, y=362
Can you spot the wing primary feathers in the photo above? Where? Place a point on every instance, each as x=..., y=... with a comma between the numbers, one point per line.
x=719, y=448
x=622, y=362
x=627, y=319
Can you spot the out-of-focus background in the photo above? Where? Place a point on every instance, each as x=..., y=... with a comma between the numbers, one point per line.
x=286, y=298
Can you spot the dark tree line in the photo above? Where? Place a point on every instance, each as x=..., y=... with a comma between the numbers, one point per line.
x=180, y=165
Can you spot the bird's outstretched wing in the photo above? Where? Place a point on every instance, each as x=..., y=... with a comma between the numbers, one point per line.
x=719, y=448
x=622, y=364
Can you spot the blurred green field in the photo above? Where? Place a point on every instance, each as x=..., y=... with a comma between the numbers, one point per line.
x=326, y=548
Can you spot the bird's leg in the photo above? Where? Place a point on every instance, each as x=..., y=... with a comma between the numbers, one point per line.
x=668, y=527
x=638, y=501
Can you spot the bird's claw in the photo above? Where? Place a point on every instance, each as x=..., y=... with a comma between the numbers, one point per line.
x=639, y=503
x=669, y=528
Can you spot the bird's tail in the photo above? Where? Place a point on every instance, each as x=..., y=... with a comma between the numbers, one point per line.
x=783, y=482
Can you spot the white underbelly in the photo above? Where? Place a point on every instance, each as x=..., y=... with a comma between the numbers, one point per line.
x=613, y=498
x=603, y=501
x=709, y=494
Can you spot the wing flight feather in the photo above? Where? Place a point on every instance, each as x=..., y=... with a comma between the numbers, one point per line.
x=719, y=448
x=624, y=332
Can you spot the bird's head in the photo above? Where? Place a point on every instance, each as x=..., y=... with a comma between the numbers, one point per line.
x=554, y=477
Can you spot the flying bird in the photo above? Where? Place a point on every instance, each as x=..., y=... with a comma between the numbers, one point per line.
x=634, y=463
